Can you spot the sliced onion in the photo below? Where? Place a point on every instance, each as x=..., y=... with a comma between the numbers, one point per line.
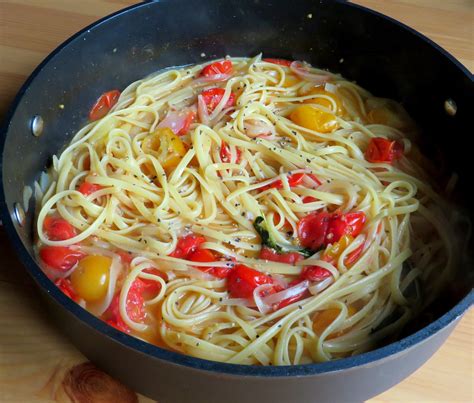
x=303, y=72
x=280, y=280
x=261, y=305
x=213, y=78
x=330, y=87
x=44, y=181
x=27, y=193
x=199, y=274
x=100, y=243
x=202, y=111
x=256, y=128
x=321, y=286
x=285, y=294
x=54, y=275
x=176, y=120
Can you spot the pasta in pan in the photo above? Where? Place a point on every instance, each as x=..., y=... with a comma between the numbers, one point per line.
x=250, y=211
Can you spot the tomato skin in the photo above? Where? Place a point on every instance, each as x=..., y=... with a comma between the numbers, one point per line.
x=60, y=258
x=226, y=155
x=206, y=255
x=65, y=286
x=202, y=255
x=295, y=298
x=383, y=150
x=58, y=229
x=314, y=273
x=271, y=255
x=114, y=312
x=220, y=67
x=125, y=257
x=87, y=188
x=151, y=287
x=277, y=218
x=345, y=224
x=352, y=257
x=213, y=96
x=220, y=272
x=103, y=105
x=187, y=245
x=312, y=230
x=190, y=118
x=281, y=62
x=243, y=280
x=118, y=324
x=315, y=178
x=309, y=199
x=293, y=180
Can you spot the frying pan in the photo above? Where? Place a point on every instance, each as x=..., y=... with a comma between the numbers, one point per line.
x=382, y=55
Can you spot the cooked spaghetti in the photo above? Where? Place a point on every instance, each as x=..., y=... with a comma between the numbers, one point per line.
x=250, y=211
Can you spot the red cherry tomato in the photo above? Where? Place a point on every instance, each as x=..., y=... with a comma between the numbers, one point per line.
x=151, y=287
x=135, y=302
x=315, y=178
x=58, y=229
x=103, y=105
x=383, y=150
x=206, y=255
x=243, y=280
x=293, y=180
x=320, y=229
x=314, y=273
x=125, y=257
x=220, y=272
x=188, y=120
x=353, y=256
x=60, y=258
x=187, y=245
x=65, y=286
x=309, y=199
x=344, y=224
x=312, y=230
x=293, y=299
x=277, y=219
x=226, y=155
x=281, y=62
x=220, y=67
x=202, y=255
x=213, y=96
x=289, y=257
x=87, y=188
x=119, y=324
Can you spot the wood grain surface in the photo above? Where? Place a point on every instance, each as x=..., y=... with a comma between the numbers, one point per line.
x=37, y=364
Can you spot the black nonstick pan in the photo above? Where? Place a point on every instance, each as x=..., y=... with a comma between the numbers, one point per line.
x=382, y=55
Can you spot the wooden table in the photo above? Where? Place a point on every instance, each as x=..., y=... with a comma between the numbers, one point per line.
x=34, y=357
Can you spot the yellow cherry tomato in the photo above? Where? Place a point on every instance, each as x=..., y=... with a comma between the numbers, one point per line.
x=322, y=319
x=290, y=80
x=323, y=101
x=334, y=251
x=166, y=146
x=314, y=119
x=90, y=280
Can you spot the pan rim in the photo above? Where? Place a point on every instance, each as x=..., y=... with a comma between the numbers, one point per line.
x=383, y=353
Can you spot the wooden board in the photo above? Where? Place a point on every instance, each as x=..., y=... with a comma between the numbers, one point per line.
x=37, y=364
